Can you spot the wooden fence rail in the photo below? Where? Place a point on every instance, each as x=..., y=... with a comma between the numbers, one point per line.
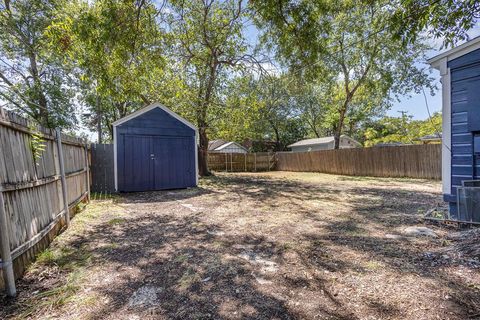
x=237, y=162
x=415, y=161
x=32, y=189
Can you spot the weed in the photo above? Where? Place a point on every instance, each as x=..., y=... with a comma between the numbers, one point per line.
x=181, y=258
x=116, y=221
x=373, y=265
x=188, y=278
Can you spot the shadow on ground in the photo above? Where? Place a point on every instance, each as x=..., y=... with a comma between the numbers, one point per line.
x=253, y=247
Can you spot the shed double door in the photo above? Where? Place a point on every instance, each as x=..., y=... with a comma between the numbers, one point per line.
x=158, y=162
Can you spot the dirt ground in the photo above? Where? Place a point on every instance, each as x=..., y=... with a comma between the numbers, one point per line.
x=273, y=245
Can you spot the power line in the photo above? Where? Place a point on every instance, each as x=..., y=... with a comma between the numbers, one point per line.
x=440, y=135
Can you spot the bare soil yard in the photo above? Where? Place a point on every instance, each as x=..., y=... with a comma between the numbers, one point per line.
x=274, y=245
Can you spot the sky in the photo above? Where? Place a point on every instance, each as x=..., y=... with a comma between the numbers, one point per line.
x=415, y=105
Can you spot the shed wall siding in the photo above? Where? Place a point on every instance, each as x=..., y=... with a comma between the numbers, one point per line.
x=142, y=135
x=465, y=120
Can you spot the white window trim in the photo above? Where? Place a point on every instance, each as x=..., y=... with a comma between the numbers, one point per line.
x=442, y=65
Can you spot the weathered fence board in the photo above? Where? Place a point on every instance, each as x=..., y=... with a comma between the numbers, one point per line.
x=31, y=187
x=414, y=161
x=102, y=168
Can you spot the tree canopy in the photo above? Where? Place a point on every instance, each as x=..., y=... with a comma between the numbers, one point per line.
x=270, y=72
x=402, y=130
x=33, y=80
x=346, y=43
x=449, y=20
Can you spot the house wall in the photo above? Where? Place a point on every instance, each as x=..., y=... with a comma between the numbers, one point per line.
x=347, y=143
x=344, y=144
x=317, y=147
x=465, y=122
x=155, y=144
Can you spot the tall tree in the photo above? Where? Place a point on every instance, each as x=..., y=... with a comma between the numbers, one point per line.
x=312, y=99
x=264, y=108
x=279, y=113
x=241, y=119
x=210, y=43
x=449, y=20
x=117, y=48
x=349, y=41
x=33, y=80
x=402, y=129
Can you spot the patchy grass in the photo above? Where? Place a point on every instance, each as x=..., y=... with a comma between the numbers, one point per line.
x=63, y=268
x=276, y=245
x=373, y=265
x=115, y=221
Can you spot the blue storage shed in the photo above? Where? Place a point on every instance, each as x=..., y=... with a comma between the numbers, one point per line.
x=154, y=149
x=460, y=77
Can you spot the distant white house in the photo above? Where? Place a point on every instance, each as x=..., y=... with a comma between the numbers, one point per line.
x=325, y=143
x=431, y=138
x=222, y=146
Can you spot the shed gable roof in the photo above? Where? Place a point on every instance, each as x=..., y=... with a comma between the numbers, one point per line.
x=454, y=53
x=149, y=108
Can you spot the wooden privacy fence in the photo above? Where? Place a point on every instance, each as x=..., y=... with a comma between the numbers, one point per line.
x=236, y=162
x=43, y=177
x=414, y=161
x=102, y=169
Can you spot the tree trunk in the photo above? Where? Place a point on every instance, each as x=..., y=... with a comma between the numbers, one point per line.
x=277, y=135
x=41, y=101
x=341, y=119
x=203, y=153
x=202, y=122
x=336, y=138
x=99, y=122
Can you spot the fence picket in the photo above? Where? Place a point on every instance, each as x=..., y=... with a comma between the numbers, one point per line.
x=413, y=161
x=31, y=188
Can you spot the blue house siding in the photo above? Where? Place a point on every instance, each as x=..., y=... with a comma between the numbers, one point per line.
x=465, y=121
x=155, y=151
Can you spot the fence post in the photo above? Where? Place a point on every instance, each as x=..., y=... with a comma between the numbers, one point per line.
x=62, y=174
x=87, y=172
x=255, y=158
x=231, y=162
x=245, y=162
x=226, y=162
x=7, y=263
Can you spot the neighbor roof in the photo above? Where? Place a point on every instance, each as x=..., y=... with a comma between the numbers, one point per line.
x=229, y=144
x=317, y=141
x=219, y=144
x=214, y=144
x=435, y=136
